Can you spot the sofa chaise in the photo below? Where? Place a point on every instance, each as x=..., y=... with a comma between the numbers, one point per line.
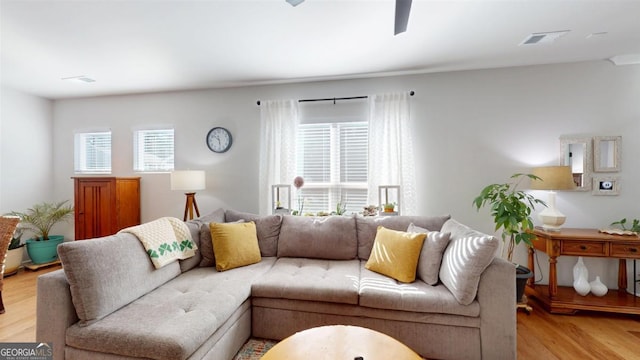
x=110, y=302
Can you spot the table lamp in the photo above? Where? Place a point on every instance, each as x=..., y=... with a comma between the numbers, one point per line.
x=189, y=181
x=552, y=178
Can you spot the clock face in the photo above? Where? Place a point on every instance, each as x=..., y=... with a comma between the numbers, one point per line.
x=219, y=139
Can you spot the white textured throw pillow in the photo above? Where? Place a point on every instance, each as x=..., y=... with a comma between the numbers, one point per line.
x=468, y=254
x=431, y=254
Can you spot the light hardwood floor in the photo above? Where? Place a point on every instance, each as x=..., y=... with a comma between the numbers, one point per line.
x=586, y=335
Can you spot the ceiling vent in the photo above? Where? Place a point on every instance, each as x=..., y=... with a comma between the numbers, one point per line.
x=79, y=79
x=629, y=59
x=543, y=37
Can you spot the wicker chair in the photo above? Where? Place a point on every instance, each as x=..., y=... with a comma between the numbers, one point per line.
x=7, y=227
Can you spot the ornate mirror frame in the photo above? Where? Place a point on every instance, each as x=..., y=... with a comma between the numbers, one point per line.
x=570, y=146
x=606, y=153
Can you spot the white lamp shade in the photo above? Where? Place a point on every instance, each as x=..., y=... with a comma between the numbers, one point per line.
x=188, y=180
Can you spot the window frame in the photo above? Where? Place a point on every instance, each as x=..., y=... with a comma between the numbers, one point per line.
x=336, y=189
x=81, y=155
x=142, y=165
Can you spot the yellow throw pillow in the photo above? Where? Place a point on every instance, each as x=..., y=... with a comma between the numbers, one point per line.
x=234, y=244
x=395, y=254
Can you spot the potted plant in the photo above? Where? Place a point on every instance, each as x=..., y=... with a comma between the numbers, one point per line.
x=511, y=211
x=14, y=255
x=389, y=207
x=634, y=227
x=40, y=219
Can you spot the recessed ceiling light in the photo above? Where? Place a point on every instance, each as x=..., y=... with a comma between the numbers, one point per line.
x=80, y=79
x=543, y=37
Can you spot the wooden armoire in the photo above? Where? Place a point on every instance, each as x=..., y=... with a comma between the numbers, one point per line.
x=105, y=205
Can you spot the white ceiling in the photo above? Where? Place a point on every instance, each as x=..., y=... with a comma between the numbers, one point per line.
x=145, y=45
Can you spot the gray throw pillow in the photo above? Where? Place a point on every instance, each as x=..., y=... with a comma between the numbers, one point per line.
x=431, y=254
x=468, y=254
x=206, y=245
x=267, y=229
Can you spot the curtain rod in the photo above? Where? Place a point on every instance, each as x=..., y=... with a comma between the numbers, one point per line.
x=411, y=93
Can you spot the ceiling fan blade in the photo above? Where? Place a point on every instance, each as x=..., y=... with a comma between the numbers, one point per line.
x=403, y=8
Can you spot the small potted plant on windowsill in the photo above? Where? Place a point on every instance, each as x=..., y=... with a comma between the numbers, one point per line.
x=389, y=207
x=511, y=211
x=40, y=219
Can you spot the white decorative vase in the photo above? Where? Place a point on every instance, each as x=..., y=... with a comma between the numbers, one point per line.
x=582, y=285
x=581, y=278
x=579, y=268
x=598, y=288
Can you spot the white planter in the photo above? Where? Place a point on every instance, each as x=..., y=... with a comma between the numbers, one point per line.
x=13, y=261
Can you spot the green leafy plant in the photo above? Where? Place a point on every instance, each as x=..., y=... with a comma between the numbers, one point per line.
x=511, y=210
x=42, y=217
x=16, y=239
x=635, y=225
x=341, y=208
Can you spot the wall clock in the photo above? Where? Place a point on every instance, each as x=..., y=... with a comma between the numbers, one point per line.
x=219, y=139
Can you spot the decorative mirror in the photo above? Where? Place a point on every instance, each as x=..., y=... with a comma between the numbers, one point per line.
x=577, y=153
x=606, y=154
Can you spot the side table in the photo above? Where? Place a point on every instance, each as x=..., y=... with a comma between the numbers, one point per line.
x=588, y=243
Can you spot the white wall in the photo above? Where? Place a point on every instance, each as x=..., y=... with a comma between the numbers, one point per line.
x=26, y=152
x=472, y=128
x=26, y=145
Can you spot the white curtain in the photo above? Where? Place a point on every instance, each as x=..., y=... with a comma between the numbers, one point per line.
x=278, y=128
x=391, y=158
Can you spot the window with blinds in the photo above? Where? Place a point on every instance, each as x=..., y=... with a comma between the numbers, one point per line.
x=92, y=152
x=333, y=160
x=153, y=150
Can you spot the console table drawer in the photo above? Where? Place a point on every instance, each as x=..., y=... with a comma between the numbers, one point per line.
x=583, y=248
x=631, y=250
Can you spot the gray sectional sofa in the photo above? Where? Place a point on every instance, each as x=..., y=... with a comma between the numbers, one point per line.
x=109, y=302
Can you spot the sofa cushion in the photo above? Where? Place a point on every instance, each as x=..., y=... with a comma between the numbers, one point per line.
x=431, y=253
x=208, y=257
x=102, y=284
x=234, y=245
x=382, y=292
x=330, y=237
x=395, y=254
x=206, y=246
x=310, y=279
x=367, y=227
x=468, y=254
x=174, y=320
x=190, y=263
x=267, y=227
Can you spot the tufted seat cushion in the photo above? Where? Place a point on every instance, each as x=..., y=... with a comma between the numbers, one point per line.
x=334, y=281
x=382, y=292
x=174, y=320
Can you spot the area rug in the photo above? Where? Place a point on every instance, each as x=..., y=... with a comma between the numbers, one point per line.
x=254, y=349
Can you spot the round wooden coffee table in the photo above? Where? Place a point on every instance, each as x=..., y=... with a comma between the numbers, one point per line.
x=340, y=342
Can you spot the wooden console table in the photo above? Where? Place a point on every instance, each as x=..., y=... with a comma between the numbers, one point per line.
x=588, y=243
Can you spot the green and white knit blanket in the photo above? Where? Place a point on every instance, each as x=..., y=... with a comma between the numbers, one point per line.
x=166, y=240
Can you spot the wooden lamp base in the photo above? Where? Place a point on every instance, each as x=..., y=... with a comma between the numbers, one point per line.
x=190, y=205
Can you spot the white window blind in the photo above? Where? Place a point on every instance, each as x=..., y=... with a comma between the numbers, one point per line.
x=92, y=152
x=153, y=150
x=333, y=160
